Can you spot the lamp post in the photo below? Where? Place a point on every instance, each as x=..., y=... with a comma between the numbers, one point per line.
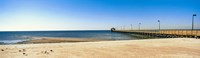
x=139, y=26
x=159, y=25
x=131, y=27
x=124, y=27
x=193, y=21
x=121, y=28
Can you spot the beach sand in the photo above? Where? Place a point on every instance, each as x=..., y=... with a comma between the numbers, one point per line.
x=148, y=48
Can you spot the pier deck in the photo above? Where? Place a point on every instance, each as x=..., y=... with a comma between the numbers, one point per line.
x=165, y=33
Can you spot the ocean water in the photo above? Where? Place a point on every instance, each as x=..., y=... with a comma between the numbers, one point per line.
x=18, y=36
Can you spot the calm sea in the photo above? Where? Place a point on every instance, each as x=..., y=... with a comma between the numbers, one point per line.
x=18, y=36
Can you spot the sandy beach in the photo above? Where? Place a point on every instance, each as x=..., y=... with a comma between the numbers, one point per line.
x=148, y=48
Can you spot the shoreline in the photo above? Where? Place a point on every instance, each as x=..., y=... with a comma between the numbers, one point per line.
x=153, y=48
x=61, y=40
x=40, y=40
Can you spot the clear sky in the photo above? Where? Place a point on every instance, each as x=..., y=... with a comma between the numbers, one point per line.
x=97, y=14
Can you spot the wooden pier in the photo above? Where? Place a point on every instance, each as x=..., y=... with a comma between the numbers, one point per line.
x=165, y=33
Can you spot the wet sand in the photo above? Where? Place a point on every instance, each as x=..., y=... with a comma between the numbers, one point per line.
x=59, y=40
x=148, y=48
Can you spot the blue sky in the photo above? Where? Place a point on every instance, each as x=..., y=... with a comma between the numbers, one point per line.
x=97, y=14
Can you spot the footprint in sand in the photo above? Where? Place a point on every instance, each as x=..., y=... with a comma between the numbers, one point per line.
x=25, y=54
x=51, y=50
x=2, y=49
x=23, y=50
x=46, y=52
x=20, y=50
